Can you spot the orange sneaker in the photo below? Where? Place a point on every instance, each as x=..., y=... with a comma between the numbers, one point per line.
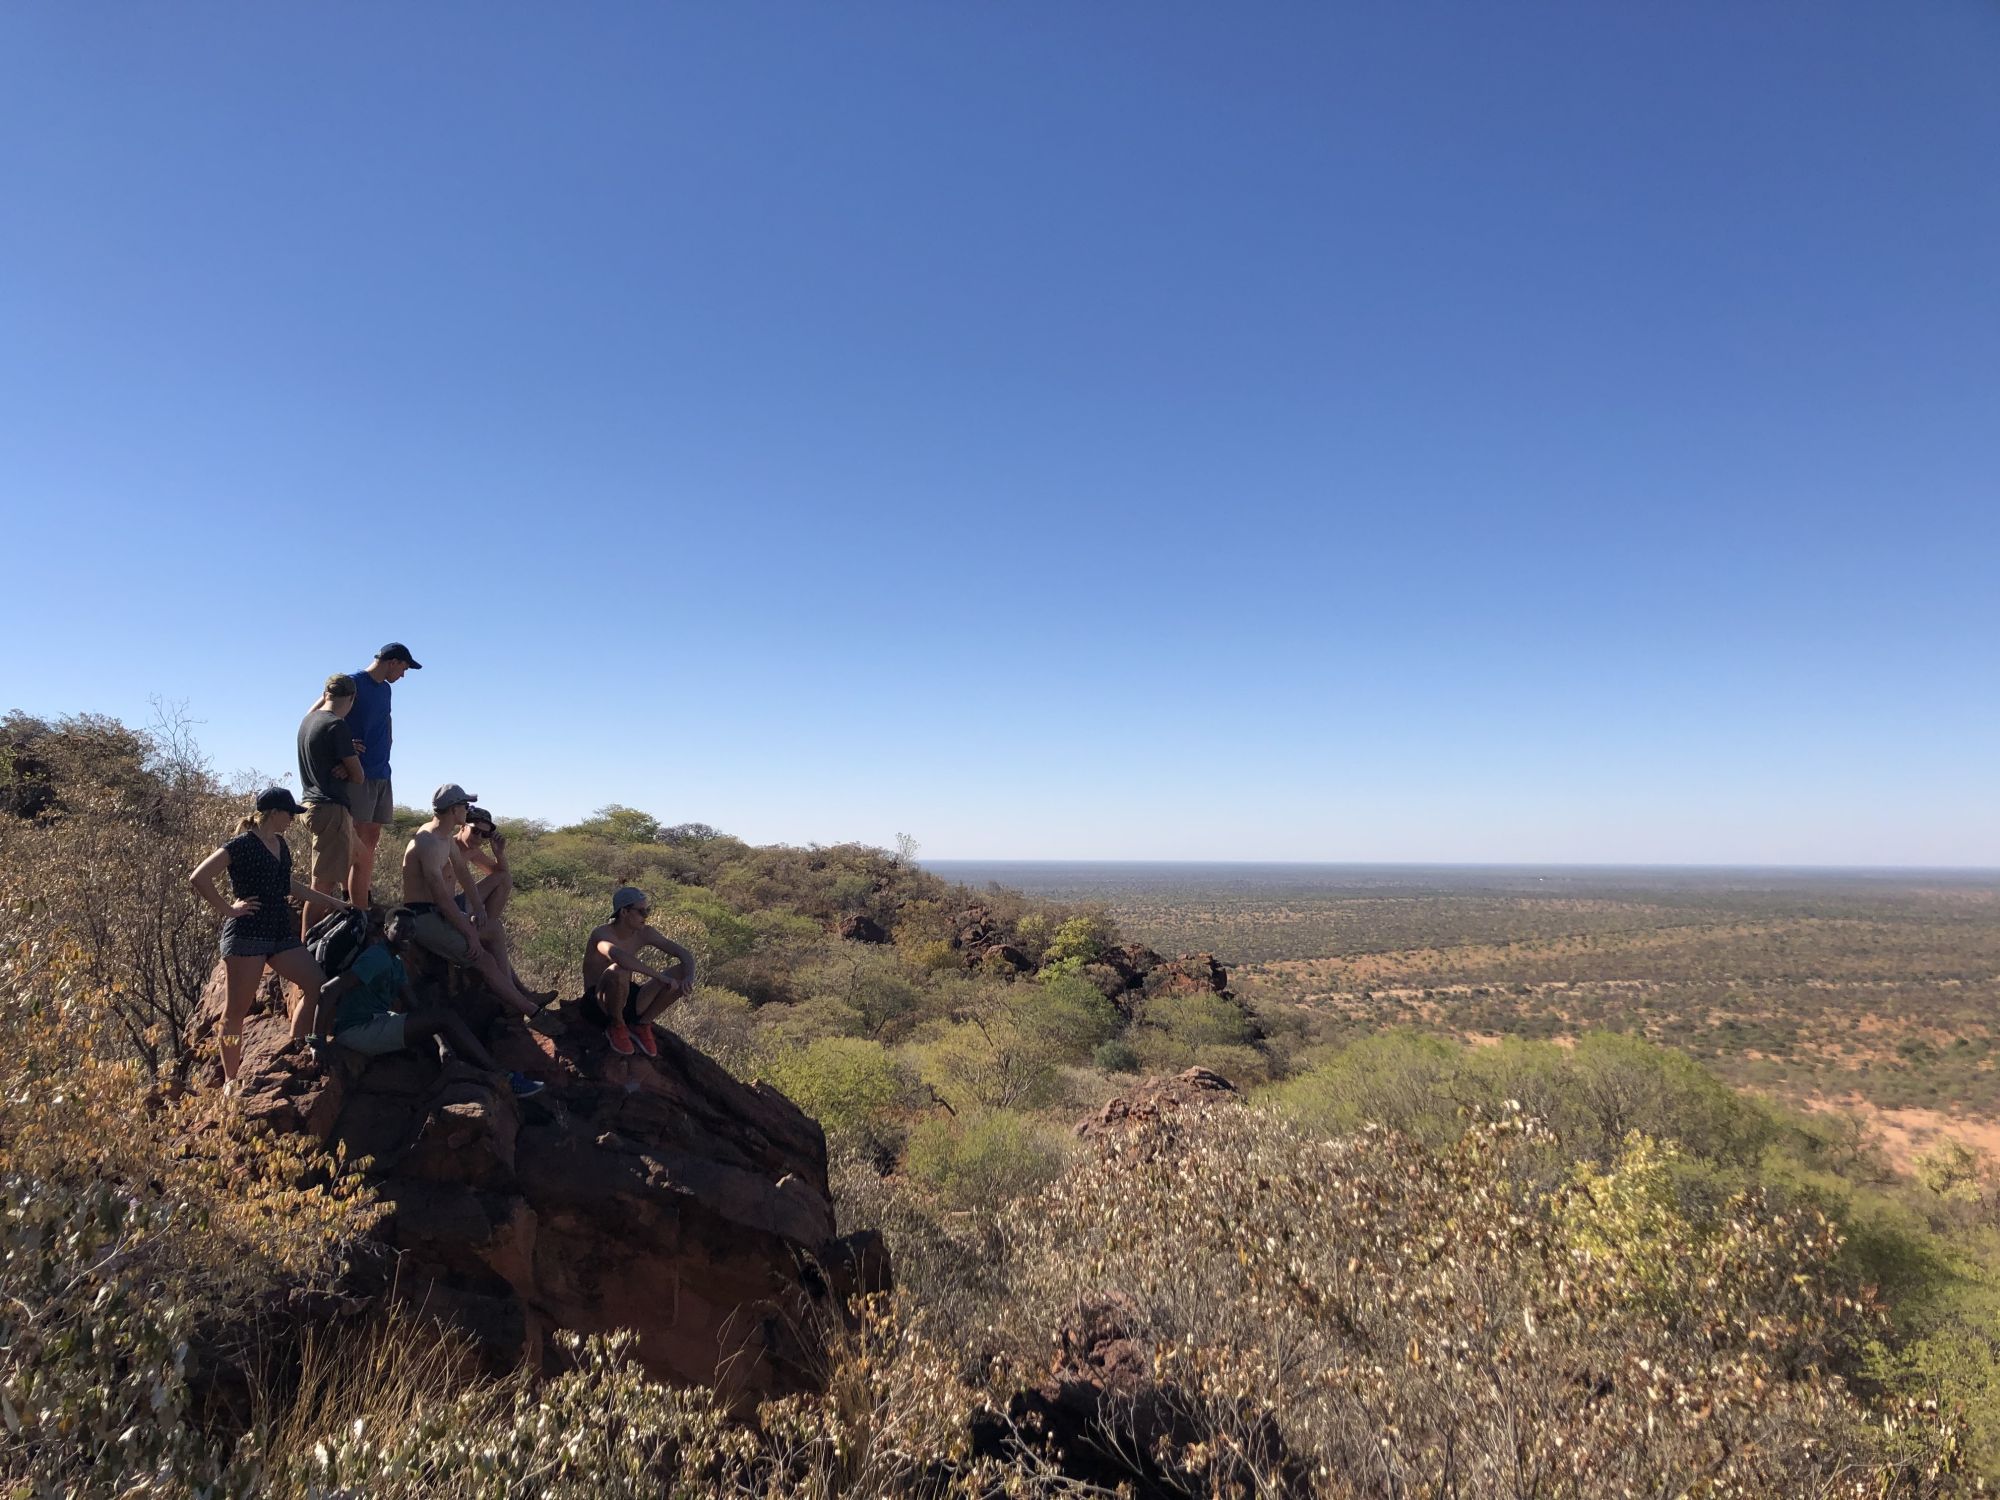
x=620, y=1038
x=643, y=1035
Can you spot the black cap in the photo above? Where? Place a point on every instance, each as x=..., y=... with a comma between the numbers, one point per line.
x=397, y=651
x=277, y=799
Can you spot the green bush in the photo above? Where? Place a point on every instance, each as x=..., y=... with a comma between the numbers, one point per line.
x=1200, y=1020
x=851, y=1086
x=1592, y=1095
x=985, y=1159
x=1080, y=940
x=1115, y=1056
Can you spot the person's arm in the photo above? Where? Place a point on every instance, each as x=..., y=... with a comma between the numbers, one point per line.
x=436, y=861
x=628, y=958
x=461, y=871
x=674, y=950
x=347, y=757
x=202, y=878
x=313, y=897
x=480, y=859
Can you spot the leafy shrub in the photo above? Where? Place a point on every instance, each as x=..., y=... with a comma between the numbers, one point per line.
x=1400, y=1313
x=853, y=1087
x=1078, y=941
x=1115, y=1056
x=985, y=1159
x=1591, y=1095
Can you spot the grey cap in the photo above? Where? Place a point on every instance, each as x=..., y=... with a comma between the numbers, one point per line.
x=627, y=895
x=450, y=795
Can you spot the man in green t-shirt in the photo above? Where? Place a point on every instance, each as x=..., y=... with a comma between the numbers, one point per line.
x=375, y=1008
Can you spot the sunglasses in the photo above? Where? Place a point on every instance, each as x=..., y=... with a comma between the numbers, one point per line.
x=644, y=911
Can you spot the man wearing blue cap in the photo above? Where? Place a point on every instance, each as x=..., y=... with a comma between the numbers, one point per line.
x=373, y=802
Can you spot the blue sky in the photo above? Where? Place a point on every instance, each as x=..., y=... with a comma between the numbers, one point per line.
x=1150, y=430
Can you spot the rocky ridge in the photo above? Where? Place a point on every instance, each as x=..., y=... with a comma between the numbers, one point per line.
x=664, y=1196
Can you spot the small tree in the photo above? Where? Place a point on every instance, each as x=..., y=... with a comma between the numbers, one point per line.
x=103, y=871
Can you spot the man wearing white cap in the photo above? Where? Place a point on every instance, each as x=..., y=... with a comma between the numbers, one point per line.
x=621, y=991
x=432, y=865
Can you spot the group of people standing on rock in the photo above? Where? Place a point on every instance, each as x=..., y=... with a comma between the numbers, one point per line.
x=456, y=885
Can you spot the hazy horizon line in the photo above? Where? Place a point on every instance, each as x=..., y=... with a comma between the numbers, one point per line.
x=1468, y=864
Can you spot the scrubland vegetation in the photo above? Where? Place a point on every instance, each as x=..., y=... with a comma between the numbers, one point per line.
x=1403, y=1266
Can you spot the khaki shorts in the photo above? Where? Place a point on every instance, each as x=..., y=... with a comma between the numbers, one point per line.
x=373, y=1038
x=332, y=844
x=437, y=935
x=372, y=801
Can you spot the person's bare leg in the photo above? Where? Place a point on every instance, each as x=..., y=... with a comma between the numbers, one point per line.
x=298, y=966
x=457, y=1036
x=498, y=980
x=243, y=974
x=495, y=891
x=361, y=871
x=656, y=996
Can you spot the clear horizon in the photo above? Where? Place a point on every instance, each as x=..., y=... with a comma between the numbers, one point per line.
x=1551, y=435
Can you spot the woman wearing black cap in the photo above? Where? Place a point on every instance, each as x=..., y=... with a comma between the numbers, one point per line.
x=257, y=927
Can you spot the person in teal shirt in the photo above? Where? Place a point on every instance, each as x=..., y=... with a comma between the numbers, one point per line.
x=375, y=1008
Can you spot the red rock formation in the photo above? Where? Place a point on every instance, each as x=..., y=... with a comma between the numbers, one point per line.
x=663, y=1196
x=859, y=927
x=1099, y=1417
x=1158, y=1099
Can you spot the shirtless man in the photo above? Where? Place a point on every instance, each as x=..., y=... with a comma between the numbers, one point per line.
x=620, y=987
x=485, y=849
x=432, y=865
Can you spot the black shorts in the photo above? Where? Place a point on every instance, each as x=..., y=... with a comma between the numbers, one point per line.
x=593, y=1007
x=238, y=944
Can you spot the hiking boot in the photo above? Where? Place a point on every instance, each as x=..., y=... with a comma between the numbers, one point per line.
x=643, y=1035
x=523, y=1086
x=620, y=1038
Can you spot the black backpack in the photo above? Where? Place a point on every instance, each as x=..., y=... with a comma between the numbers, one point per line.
x=337, y=939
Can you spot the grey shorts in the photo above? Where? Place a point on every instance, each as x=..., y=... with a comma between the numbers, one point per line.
x=437, y=935
x=372, y=802
x=373, y=1038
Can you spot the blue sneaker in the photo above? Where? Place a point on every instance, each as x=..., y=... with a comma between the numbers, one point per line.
x=523, y=1086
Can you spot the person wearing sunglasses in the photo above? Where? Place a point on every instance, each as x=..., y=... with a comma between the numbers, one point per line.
x=434, y=869
x=485, y=849
x=621, y=991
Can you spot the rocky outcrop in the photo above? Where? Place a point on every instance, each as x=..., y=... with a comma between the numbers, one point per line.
x=662, y=1196
x=1158, y=1099
x=1190, y=974
x=1101, y=1417
x=862, y=928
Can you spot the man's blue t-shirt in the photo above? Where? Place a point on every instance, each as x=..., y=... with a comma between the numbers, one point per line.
x=368, y=722
x=380, y=977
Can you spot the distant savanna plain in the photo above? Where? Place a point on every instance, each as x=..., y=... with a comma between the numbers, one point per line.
x=1873, y=992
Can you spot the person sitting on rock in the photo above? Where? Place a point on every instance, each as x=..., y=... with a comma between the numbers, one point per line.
x=376, y=1010
x=485, y=848
x=621, y=992
x=432, y=866
x=257, y=927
